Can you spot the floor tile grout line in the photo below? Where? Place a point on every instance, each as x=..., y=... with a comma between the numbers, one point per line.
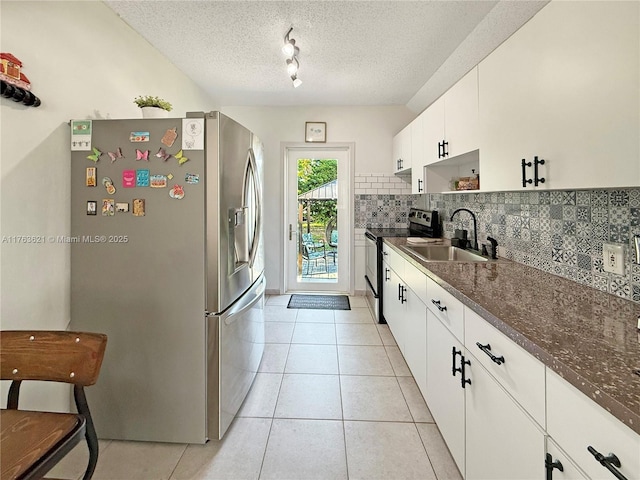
x=178, y=462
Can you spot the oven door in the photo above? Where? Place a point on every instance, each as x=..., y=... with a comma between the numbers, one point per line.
x=371, y=274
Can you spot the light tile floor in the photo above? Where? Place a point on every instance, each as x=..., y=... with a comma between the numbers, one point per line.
x=333, y=399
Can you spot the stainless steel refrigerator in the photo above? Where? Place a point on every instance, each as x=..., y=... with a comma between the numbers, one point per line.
x=167, y=260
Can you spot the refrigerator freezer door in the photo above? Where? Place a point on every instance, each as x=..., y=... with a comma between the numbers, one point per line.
x=228, y=270
x=235, y=343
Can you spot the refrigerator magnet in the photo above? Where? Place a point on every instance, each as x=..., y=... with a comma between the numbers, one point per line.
x=80, y=135
x=108, y=207
x=138, y=207
x=192, y=178
x=122, y=207
x=137, y=137
x=162, y=153
x=177, y=192
x=91, y=177
x=193, y=133
x=142, y=177
x=169, y=137
x=158, y=181
x=92, y=207
x=108, y=184
x=115, y=155
x=140, y=155
x=128, y=178
x=181, y=158
x=95, y=156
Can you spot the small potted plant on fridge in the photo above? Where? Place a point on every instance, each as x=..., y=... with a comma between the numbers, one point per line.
x=153, y=107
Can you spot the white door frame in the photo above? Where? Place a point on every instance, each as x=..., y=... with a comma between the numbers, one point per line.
x=345, y=190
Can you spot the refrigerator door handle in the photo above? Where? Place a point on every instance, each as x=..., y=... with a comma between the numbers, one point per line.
x=251, y=178
x=243, y=304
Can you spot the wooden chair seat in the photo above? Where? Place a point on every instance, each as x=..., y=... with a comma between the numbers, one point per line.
x=58, y=356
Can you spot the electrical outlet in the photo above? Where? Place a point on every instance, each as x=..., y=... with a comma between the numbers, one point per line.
x=613, y=258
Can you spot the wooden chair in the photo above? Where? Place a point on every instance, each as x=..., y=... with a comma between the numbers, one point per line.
x=57, y=356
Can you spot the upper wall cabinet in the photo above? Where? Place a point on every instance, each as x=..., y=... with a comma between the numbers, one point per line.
x=565, y=89
x=402, y=150
x=449, y=132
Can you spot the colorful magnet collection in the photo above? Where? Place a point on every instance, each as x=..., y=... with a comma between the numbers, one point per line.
x=139, y=177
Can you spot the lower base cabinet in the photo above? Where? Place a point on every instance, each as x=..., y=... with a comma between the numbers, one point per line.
x=502, y=441
x=445, y=396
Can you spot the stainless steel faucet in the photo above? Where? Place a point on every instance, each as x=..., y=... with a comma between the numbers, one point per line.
x=475, y=225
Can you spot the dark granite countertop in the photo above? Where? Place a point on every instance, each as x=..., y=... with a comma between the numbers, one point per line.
x=588, y=337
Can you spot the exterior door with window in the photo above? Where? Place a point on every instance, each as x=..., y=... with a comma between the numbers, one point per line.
x=318, y=238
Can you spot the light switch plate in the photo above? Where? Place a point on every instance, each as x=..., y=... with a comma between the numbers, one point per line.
x=613, y=258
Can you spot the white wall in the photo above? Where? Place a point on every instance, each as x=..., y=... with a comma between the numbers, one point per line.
x=83, y=62
x=370, y=128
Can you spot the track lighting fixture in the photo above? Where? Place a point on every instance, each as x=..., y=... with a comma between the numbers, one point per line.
x=293, y=65
x=289, y=48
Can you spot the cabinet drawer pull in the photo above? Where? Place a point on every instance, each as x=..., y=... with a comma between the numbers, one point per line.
x=549, y=465
x=537, y=179
x=455, y=352
x=487, y=349
x=463, y=380
x=437, y=304
x=610, y=462
x=403, y=290
x=525, y=181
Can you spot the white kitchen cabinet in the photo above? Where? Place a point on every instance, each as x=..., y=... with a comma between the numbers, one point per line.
x=565, y=469
x=565, y=88
x=417, y=155
x=445, y=396
x=392, y=306
x=521, y=374
x=576, y=423
x=405, y=312
x=461, y=116
x=433, y=131
x=402, y=150
x=502, y=441
x=415, y=341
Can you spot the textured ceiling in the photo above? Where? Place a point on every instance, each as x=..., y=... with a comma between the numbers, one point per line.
x=351, y=52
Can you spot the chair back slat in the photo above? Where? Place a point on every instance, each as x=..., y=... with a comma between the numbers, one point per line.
x=61, y=356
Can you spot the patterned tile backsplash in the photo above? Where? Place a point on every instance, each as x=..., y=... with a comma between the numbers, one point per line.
x=560, y=232
x=382, y=201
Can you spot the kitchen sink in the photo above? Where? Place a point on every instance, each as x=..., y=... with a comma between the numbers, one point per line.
x=442, y=253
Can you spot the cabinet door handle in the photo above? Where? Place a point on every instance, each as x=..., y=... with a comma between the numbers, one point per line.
x=610, y=462
x=463, y=380
x=420, y=185
x=487, y=349
x=386, y=273
x=403, y=299
x=454, y=353
x=524, y=173
x=442, y=308
x=440, y=146
x=399, y=291
x=536, y=179
x=549, y=465
x=445, y=150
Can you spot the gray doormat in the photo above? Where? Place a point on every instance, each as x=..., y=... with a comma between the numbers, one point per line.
x=320, y=302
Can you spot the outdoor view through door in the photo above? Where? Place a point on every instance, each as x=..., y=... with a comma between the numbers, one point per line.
x=317, y=242
x=318, y=215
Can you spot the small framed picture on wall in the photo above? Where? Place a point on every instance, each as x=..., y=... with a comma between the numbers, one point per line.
x=315, y=132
